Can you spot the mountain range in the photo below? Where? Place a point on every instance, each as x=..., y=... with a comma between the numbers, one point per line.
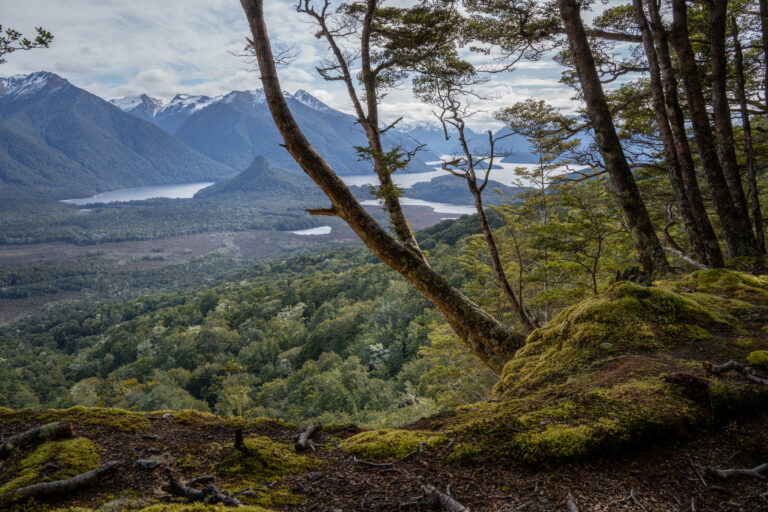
x=60, y=141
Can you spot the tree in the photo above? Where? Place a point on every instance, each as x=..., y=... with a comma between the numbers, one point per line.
x=649, y=248
x=491, y=340
x=12, y=40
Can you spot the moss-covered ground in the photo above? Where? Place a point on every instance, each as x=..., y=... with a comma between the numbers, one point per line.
x=620, y=370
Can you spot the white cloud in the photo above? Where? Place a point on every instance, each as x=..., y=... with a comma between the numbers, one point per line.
x=114, y=48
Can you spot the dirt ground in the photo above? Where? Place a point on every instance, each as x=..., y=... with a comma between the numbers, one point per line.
x=667, y=475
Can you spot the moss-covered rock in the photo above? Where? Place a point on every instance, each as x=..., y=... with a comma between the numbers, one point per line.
x=758, y=359
x=380, y=444
x=614, y=369
x=53, y=460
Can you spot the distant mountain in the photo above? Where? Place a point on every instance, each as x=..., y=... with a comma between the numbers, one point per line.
x=60, y=141
x=259, y=181
x=236, y=127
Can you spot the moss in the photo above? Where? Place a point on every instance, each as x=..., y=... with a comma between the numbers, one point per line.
x=380, y=444
x=73, y=456
x=758, y=359
x=268, y=461
x=464, y=454
x=621, y=367
x=118, y=419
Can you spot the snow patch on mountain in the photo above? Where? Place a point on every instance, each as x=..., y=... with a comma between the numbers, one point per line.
x=22, y=85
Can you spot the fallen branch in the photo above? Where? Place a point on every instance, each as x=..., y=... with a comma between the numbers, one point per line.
x=48, y=432
x=302, y=441
x=205, y=479
x=725, y=474
x=743, y=369
x=445, y=502
x=59, y=486
x=209, y=494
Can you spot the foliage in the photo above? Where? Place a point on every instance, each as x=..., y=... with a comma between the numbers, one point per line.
x=12, y=40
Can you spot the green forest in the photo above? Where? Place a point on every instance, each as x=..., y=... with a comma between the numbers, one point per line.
x=596, y=339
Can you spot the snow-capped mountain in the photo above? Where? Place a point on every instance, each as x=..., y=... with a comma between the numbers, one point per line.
x=236, y=127
x=60, y=141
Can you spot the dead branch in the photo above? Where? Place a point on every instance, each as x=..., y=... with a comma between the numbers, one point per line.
x=302, y=441
x=443, y=501
x=686, y=258
x=59, y=486
x=725, y=474
x=34, y=436
x=210, y=493
x=744, y=370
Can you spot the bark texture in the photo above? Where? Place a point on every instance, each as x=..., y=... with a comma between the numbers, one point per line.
x=665, y=133
x=492, y=341
x=721, y=110
x=680, y=137
x=647, y=244
x=749, y=150
x=738, y=235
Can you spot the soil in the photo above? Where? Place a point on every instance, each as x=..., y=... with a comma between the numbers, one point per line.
x=665, y=475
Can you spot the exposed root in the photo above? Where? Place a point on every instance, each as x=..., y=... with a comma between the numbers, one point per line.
x=744, y=370
x=441, y=500
x=725, y=474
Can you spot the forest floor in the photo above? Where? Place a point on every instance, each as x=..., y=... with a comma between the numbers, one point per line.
x=667, y=475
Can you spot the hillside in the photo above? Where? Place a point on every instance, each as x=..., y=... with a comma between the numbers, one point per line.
x=635, y=387
x=261, y=180
x=59, y=141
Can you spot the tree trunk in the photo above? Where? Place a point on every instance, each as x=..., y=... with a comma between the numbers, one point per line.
x=764, y=32
x=738, y=236
x=665, y=132
x=680, y=137
x=647, y=244
x=492, y=341
x=749, y=151
x=721, y=110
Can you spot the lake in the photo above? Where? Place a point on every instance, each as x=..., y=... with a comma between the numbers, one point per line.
x=176, y=191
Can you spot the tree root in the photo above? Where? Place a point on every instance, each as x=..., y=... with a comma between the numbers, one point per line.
x=59, y=486
x=209, y=494
x=725, y=474
x=303, y=439
x=744, y=370
x=34, y=436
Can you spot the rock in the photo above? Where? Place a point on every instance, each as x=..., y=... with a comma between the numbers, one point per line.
x=146, y=464
x=315, y=475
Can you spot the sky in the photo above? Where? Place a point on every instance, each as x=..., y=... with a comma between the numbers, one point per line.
x=114, y=48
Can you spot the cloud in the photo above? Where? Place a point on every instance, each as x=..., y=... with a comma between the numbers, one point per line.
x=162, y=48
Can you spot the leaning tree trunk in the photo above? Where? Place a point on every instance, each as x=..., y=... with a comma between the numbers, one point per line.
x=665, y=132
x=680, y=136
x=721, y=110
x=491, y=340
x=754, y=196
x=647, y=244
x=737, y=234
